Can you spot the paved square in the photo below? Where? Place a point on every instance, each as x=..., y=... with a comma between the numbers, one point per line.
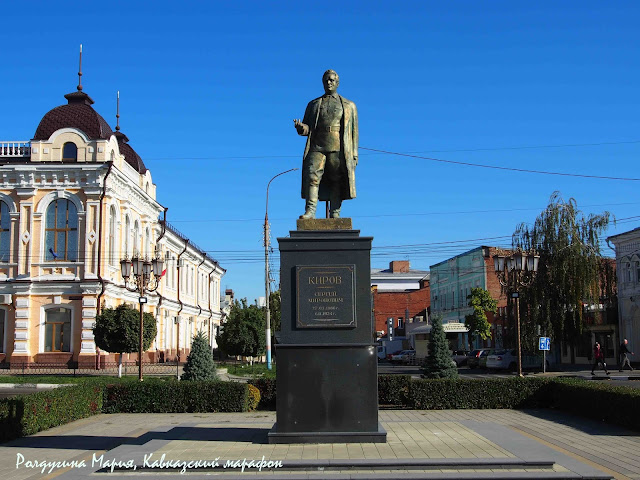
x=420, y=444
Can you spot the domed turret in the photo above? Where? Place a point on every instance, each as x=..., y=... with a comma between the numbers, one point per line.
x=78, y=113
x=130, y=155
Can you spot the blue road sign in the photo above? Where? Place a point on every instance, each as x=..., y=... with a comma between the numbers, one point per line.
x=544, y=344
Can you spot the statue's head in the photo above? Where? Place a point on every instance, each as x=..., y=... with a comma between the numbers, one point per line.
x=330, y=80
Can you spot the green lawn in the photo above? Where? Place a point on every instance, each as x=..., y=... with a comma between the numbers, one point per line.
x=246, y=370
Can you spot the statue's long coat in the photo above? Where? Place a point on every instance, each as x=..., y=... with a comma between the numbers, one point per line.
x=349, y=133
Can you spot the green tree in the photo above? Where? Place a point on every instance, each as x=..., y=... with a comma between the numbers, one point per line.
x=244, y=331
x=117, y=330
x=439, y=363
x=199, y=364
x=477, y=323
x=568, y=273
x=275, y=309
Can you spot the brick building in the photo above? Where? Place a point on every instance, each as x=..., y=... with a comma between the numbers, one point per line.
x=399, y=293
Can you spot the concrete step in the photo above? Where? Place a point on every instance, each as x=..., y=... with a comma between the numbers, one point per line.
x=406, y=469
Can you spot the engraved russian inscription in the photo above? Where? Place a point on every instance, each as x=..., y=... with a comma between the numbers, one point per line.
x=325, y=296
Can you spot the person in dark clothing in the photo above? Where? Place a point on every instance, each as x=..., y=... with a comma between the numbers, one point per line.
x=624, y=355
x=598, y=357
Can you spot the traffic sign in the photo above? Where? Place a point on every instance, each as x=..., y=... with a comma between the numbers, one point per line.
x=544, y=343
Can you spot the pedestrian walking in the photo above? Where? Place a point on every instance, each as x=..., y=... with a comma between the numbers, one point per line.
x=624, y=355
x=598, y=357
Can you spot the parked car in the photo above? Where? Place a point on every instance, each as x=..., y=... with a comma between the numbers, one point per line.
x=405, y=356
x=389, y=355
x=482, y=361
x=503, y=360
x=478, y=358
x=460, y=357
x=508, y=360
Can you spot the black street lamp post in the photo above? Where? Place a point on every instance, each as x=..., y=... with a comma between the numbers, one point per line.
x=141, y=275
x=514, y=271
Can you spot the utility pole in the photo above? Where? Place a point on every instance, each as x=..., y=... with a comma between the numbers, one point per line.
x=267, y=286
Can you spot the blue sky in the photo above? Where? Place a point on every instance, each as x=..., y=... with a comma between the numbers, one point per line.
x=209, y=90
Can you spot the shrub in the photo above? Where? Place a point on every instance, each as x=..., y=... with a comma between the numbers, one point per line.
x=29, y=414
x=199, y=364
x=598, y=400
x=490, y=393
x=267, y=387
x=393, y=390
x=254, y=397
x=176, y=397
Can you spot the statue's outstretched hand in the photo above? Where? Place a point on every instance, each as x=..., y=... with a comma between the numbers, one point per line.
x=301, y=128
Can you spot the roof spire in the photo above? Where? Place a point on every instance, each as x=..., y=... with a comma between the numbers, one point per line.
x=118, y=112
x=80, y=71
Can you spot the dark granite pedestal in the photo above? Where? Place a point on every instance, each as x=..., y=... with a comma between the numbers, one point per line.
x=327, y=389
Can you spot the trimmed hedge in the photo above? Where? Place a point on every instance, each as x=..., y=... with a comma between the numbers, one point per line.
x=176, y=397
x=29, y=414
x=513, y=392
x=267, y=387
x=393, y=390
x=598, y=400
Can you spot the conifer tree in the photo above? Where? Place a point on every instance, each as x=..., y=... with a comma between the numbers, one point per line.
x=199, y=364
x=439, y=363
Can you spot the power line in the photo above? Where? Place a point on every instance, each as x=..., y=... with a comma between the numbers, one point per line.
x=495, y=167
x=375, y=152
x=418, y=214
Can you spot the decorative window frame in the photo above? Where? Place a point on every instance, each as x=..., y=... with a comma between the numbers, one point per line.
x=41, y=210
x=13, y=215
x=42, y=324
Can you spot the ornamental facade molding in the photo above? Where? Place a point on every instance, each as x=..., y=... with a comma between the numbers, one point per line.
x=120, y=187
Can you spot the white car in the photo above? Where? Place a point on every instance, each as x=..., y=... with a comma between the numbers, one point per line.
x=503, y=360
x=405, y=356
x=508, y=360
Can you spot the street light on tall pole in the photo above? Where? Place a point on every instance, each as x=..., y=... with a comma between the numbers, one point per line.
x=514, y=271
x=141, y=275
x=266, y=267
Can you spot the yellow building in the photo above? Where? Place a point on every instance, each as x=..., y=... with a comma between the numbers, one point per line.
x=74, y=201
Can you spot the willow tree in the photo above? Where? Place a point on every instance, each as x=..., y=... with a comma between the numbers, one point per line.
x=568, y=243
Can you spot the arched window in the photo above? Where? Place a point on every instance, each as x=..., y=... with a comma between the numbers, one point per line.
x=147, y=243
x=69, y=152
x=113, y=155
x=136, y=238
x=61, y=231
x=127, y=233
x=146, y=187
x=112, y=235
x=57, y=330
x=5, y=232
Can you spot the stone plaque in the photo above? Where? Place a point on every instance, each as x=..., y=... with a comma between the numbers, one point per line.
x=325, y=296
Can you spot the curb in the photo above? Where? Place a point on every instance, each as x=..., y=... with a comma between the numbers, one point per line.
x=37, y=386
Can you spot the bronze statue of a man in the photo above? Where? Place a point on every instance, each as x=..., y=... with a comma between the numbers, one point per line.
x=330, y=124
